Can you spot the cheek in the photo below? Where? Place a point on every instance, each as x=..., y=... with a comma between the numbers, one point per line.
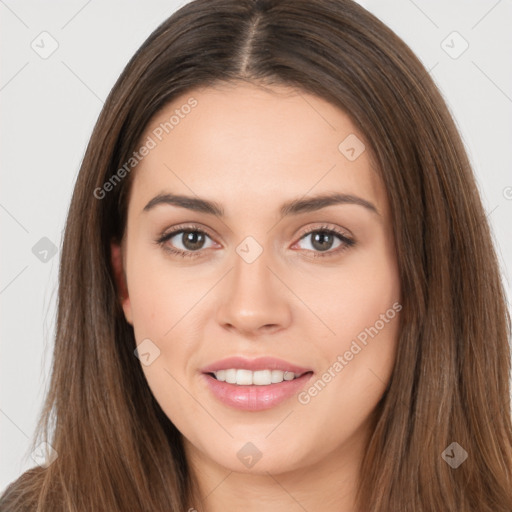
x=160, y=301
x=159, y=307
x=159, y=297
x=358, y=355
x=358, y=363
x=355, y=296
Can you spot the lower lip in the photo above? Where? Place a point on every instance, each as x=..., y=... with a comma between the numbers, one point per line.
x=255, y=398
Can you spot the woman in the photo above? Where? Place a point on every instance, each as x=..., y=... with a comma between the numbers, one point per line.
x=278, y=290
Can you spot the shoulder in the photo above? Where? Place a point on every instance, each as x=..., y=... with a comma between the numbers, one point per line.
x=21, y=494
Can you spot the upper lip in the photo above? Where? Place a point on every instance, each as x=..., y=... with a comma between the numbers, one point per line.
x=260, y=363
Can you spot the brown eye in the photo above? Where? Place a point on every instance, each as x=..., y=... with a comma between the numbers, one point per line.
x=324, y=240
x=192, y=240
x=182, y=241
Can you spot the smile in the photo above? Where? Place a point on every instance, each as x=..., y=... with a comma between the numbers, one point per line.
x=258, y=378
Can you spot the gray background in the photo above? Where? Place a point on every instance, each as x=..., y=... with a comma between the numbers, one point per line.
x=49, y=106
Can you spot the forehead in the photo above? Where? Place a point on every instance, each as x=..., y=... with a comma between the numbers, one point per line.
x=247, y=145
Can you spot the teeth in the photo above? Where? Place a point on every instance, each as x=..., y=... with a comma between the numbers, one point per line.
x=258, y=378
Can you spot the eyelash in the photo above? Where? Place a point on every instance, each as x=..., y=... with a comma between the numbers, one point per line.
x=347, y=242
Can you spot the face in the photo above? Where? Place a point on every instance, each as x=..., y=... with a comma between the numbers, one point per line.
x=289, y=286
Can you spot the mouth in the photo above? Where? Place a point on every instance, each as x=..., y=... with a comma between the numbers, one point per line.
x=266, y=377
x=254, y=385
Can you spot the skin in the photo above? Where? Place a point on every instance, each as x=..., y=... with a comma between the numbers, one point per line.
x=251, y=149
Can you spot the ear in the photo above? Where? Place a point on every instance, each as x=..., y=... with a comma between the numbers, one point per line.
x=116, y=255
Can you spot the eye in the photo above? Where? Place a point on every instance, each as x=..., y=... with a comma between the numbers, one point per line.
x=323, y=239
x=191, y=239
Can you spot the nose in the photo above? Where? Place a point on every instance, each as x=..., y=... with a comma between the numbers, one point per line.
x=254, y=299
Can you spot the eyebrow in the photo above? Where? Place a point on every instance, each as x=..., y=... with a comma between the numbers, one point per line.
x=293, y=207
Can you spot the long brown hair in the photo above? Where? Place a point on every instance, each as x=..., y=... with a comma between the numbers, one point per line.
x=117, y=451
